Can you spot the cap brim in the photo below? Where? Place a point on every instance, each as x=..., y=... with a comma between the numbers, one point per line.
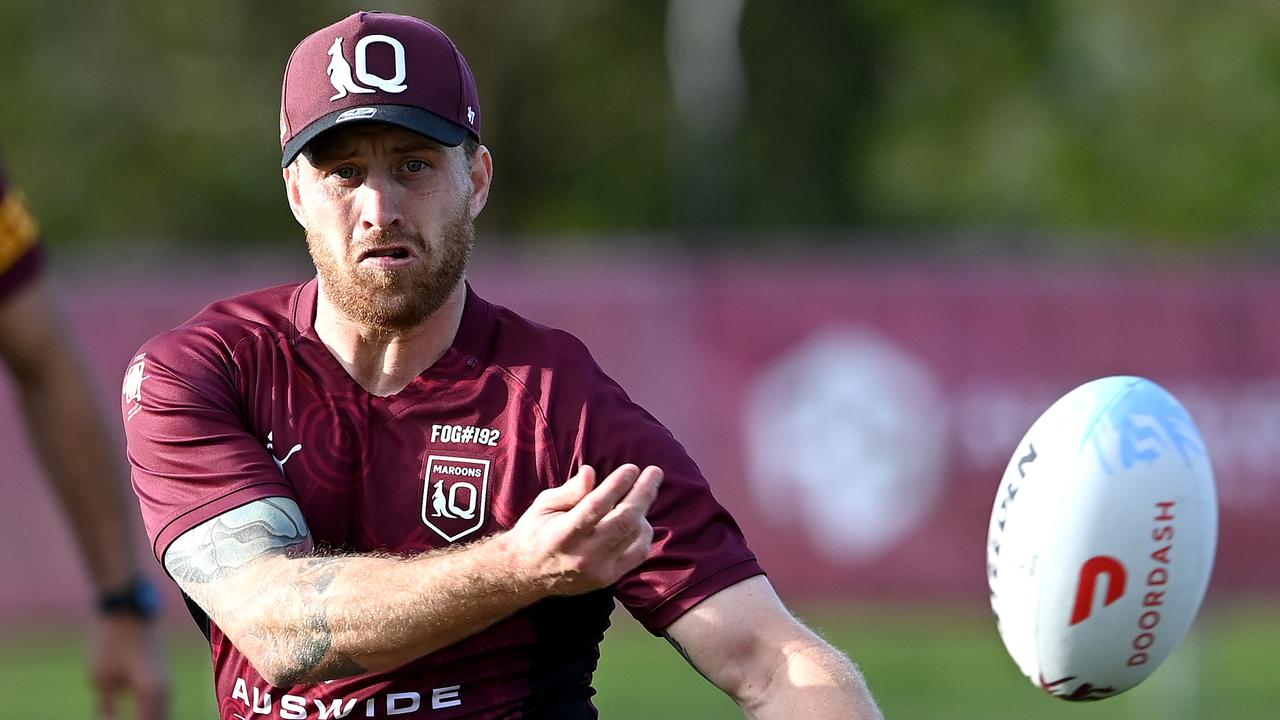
x=414, y=119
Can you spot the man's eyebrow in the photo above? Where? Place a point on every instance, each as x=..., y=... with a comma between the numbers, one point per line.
x=416, y=145
x=342, y=150
x=331, y=152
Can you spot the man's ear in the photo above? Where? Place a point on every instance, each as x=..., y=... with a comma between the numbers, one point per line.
x=294, y=193
x=481, y=178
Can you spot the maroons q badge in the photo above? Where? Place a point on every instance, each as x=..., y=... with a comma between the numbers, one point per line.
x=455, y=494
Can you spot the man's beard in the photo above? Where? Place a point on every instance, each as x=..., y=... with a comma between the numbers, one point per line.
x=395, y=300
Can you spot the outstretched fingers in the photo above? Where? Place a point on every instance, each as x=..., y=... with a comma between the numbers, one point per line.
x=585, y=534
x=626, y=522
x=605, y=497
x=642, y=493
x=568, y=495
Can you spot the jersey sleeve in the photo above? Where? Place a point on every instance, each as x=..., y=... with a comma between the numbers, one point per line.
x=21, y=254
x=191, y=456
x=698, y=548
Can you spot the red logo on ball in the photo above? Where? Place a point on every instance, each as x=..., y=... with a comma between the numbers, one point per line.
x=1089, y=573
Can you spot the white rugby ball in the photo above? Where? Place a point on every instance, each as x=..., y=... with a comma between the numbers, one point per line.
x=1102, y=538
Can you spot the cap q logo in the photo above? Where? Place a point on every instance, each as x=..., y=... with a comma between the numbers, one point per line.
x=341, y=77
x=454, y=495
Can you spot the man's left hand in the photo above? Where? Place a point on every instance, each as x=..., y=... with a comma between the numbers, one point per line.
x=127, y=657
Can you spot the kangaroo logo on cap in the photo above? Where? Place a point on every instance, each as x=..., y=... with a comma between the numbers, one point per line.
x=340, y=71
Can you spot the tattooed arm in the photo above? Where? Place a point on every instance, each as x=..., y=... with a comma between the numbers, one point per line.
x=746, y=643
x=302, y=618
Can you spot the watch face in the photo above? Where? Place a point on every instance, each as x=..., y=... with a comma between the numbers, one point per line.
x=147, y=596
x=140, y=598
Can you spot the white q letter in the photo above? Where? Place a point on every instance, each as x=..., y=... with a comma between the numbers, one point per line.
x=469, y=511
x=391, y=85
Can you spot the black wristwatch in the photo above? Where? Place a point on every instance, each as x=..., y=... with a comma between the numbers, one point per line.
x=138, y=598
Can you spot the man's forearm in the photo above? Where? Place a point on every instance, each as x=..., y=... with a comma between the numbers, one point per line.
x=320, y=618
x=69, y=433
x=345, y=615
x=301, y=617
x=745, y=641
x=812, y=681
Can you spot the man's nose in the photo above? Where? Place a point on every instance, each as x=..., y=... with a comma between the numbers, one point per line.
x=380, y=204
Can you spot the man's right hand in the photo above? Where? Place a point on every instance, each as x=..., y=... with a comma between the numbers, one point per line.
x=583, y=536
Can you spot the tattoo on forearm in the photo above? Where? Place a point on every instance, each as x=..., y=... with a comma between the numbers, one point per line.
x=685, y=654
x=329, y=572
x=273, y=526
x=311, y=656
x=311, y=649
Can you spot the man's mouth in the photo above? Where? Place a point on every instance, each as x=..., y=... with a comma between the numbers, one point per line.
x=386, y=256
x=395, y=252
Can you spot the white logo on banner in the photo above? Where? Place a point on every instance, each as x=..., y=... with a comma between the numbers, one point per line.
x=845, y=437
x=340, y=75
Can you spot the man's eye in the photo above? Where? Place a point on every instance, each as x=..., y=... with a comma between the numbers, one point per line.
x=415, y=166
x=345, y=173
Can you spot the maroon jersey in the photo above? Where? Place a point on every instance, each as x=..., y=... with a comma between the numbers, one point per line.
x=244, y=402
x=20, y=253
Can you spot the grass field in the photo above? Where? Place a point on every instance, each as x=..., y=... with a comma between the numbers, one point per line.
x=921, y=663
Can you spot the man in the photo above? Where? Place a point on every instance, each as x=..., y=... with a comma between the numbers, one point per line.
x=69, y=433
x=387, y=497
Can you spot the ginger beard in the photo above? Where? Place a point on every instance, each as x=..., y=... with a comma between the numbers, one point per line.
x=395, y=300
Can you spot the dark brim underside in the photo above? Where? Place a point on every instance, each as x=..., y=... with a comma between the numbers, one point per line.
x=414, y=119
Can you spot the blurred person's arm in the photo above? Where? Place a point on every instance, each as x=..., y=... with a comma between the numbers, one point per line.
x=745, y=642
x=68, y=430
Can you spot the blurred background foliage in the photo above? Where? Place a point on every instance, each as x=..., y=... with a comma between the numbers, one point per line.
x=699, y=123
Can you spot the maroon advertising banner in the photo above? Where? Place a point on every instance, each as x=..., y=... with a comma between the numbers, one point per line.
x=855, y=417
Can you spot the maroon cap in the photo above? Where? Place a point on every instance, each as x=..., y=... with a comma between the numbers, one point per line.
x=380, y=67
